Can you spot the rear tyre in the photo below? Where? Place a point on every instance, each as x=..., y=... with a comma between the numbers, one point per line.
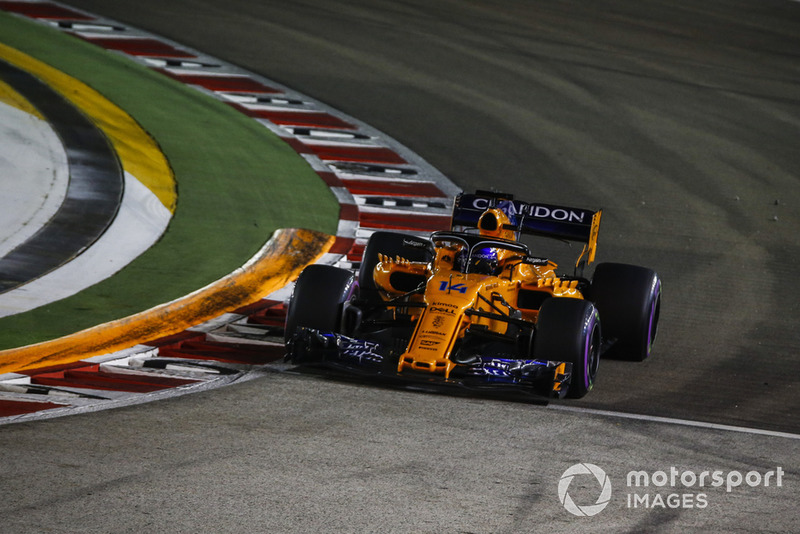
x=568, y=330
x=629, y=300
x=318, y=299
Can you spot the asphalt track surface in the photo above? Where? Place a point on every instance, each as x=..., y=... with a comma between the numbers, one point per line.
x=679, y=119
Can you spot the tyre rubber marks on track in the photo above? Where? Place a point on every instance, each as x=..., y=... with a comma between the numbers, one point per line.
x=378, y=183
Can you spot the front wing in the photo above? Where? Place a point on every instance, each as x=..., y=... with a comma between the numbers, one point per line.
x=540, y=378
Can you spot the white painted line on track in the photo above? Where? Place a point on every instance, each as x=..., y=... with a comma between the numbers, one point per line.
x=33, y=175
x=674, y=421
x=141, y=220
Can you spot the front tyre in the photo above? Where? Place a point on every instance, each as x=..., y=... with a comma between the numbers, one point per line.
x=391, y=244
x=318, y=299
x=568, y=330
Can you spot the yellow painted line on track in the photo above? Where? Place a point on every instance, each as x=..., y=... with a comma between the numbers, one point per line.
x=9, y=96
x=138, y=152
x=277, y=263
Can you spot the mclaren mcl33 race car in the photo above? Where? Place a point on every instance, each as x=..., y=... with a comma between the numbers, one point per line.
x=473, y=307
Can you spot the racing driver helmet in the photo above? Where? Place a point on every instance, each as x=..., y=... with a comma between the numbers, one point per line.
x=484, y=261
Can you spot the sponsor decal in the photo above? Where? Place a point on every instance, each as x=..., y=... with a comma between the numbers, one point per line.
x=559, y=214
x=359, y=350
x=414, y=244
x=432, y=333
x=537, y=261
x=514, y=208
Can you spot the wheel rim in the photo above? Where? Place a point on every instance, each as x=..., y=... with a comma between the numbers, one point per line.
x=591, y=353
x=595, y=357
x=655, y=310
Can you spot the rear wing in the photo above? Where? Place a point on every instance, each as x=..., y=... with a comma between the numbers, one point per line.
x=559, y=222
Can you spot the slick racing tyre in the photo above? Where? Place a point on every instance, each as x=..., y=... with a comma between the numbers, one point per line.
x=629, y=300
x=568, y=330
x=318, y=299
x=391, y=244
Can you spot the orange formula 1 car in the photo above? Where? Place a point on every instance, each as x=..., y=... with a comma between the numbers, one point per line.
x=473, y=307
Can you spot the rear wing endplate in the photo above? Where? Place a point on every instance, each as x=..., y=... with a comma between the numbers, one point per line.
x=547, y=220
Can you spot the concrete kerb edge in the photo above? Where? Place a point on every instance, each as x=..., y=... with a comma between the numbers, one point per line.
x=275, y=265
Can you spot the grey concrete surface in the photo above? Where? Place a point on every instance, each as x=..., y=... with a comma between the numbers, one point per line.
x=301, y=454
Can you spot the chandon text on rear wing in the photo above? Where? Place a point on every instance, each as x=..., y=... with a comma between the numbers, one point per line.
x=547, y=220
